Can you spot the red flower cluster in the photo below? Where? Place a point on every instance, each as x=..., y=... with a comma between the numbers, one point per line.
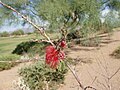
x=53, y=56
x=62, y=44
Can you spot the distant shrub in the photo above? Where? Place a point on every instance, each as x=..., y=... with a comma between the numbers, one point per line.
x=4, y=34
x=7, y=65
x=77, y=36
x=30, y=47
x=9, y=57
x=18, y=32
x=116, y=53
x=29, y=33
x=38, y=75
x=89, y=42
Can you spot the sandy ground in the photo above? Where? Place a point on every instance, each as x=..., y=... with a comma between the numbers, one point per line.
x=95, y=68
x=8, y=77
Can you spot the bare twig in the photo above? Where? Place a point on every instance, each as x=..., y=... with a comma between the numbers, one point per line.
x=75, y=75
x=78, y=80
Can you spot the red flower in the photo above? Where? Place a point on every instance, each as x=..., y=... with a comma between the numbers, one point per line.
x=62, y=44
x=61, y=55
x=53, y=56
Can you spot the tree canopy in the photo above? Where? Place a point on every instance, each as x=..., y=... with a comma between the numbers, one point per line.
x=58, y=13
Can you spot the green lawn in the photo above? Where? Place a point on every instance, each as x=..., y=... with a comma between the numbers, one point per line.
x=8, y=44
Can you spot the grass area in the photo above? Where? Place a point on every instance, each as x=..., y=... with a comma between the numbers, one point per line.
x=8, y=44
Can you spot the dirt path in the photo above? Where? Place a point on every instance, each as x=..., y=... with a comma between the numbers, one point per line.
x=7, y=77
x=98, y=73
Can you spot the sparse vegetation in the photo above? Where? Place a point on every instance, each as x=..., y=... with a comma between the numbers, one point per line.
x=8, y=61
x=116, y=53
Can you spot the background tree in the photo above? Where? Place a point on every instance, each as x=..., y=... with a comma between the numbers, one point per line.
x=18, y=32
x=56, y=14
x=4, y=34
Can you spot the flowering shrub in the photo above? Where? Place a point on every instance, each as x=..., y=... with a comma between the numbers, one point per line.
x=38, y=75
x=54, y=54
x=62, y=44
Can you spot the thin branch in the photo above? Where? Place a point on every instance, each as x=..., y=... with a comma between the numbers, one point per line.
x=42, y=32
x=78, y=80
x=75, y=75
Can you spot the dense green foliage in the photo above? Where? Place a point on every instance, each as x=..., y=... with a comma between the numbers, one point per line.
x=30, y=47
x=69, y=13
x=18, y=32
x=37, y=76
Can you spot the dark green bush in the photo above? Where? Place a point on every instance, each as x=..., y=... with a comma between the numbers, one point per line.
x=30, y=47
x=4, y=34
x=36, y=76
x=18, y=32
